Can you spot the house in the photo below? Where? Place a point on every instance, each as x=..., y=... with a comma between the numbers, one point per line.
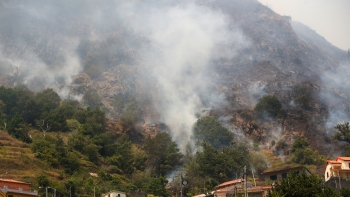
x=13, y=188
x=279, y=174
x=337, y=173
x=236, y=188
x=337, y=168
x=114, y=194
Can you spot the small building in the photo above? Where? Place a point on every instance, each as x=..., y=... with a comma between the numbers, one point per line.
x=114, y=194
x=279, y=174
x=13, y=188
x=337, y=168
x=236, y=188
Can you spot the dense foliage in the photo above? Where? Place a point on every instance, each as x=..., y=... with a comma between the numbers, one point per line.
x=73, y=139
x=302, y=185
x=209, y=130
x=269, y=105
x=343, y=134
x=303, y=154
x=303, y=96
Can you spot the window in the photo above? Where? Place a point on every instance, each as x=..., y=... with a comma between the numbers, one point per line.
x=273, y=177
x=327, y=175
x=284, y=175
x=10, y=196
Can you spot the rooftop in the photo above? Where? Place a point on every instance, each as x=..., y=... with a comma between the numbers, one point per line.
x=233, y=182
x=343, y=158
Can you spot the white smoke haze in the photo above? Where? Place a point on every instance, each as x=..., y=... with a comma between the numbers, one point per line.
x=256, y=91
x=185, y=39
x=337, y=96
x=37, y=75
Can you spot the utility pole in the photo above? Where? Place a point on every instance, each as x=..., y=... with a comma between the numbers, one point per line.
x=245, y=182
x=181, y=184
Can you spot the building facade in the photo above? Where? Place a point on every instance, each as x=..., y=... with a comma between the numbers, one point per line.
x=114, y=194
x=339, y=168
x=13, y=188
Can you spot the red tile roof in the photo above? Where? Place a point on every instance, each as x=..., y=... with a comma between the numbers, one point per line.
x=14, y=181
x=333, y=162
x=343, y=158
x=233, y=182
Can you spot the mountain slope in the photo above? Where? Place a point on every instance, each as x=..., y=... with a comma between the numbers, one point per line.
x=173, y=62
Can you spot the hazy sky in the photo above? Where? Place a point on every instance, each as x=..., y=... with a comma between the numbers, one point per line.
x=329, y=18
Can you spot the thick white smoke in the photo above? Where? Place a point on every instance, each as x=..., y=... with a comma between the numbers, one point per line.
x=337, y=95
x=185, y=40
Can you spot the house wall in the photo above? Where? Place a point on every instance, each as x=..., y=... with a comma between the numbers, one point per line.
x=328, y=172
x=115, y=194
x=15, y=185
x=344, y=164
x=345, y=175
x=13, y=194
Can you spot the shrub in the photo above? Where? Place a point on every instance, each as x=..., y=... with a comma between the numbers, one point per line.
x=268, y=104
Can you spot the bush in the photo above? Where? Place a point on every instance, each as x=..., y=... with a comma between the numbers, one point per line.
x=303, y=154
x=268, y=105
x=209, y=130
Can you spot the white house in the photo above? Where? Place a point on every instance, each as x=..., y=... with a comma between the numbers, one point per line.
x=337, y=168
x=114, y=194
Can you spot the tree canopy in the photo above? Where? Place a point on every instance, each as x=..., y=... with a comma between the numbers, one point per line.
x=302, y=185
x=268, y=104
x=303, y=154
x=209, y=130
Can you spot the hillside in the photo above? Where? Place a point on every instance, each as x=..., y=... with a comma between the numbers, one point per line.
x=19, y=161
x=156, y=68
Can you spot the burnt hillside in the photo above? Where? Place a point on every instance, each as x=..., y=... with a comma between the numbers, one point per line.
x=173, y=62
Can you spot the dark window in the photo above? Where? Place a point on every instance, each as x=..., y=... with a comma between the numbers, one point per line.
x=273, y=177
x=327, y=175
x=284, y=175
x=118, y=195
x=10, y=196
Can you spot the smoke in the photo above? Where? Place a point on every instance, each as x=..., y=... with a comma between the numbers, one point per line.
x=185, y=39
x=336, y=95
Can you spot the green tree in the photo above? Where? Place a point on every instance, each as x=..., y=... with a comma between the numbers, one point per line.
x=303, y=154
x=17, y=129
x=156, y=186
x=209, y=130
x=130, y=116
x=92, y=99
x=47, y=100
x=222, y=165
x=299, y=143
x=302, y=185
x=2, y=115
x=8, y=96
x=258, y=162
x=163, y=154
x=345, y=192
x=343, y=133
x=43, y=148
x=268, y=104
x=303, y=96
x=43, y=181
